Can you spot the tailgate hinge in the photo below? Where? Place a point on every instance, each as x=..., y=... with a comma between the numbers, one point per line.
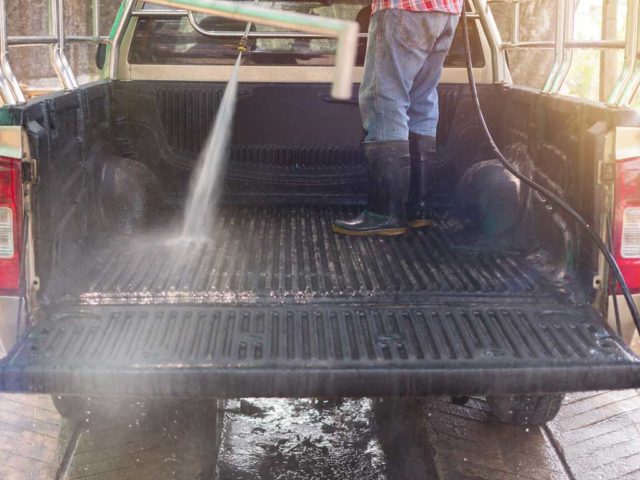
x=30, y=171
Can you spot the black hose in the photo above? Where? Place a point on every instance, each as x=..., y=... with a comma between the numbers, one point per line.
x=542, y=190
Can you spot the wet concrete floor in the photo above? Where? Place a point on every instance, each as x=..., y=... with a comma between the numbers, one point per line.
x=595, y=436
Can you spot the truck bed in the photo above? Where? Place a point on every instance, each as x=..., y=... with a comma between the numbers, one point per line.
x=277, y=304
x=274, y=303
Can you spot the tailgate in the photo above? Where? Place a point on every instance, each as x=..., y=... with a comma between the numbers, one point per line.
x=319, y=351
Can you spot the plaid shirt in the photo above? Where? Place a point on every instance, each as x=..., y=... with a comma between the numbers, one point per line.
x=448, y=6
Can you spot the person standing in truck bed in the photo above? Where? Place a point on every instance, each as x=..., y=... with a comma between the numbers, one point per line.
x=407, y=43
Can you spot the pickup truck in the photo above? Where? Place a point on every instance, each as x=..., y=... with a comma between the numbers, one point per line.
x=504, y=296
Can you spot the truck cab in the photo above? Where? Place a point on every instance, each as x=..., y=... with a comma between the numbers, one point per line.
x=504, y=296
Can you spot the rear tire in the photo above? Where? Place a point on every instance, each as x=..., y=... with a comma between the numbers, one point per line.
x=79, y=409
x=532, y=410
x=69, y=408
x=100, y=410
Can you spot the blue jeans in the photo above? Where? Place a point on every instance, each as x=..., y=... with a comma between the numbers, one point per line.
x=402, y=68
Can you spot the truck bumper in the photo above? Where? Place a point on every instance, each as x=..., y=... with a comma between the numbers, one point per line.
x=8, y=323
x=626, y=322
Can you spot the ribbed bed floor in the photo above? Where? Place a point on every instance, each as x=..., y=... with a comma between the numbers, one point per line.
x=288, y=308
x=290, y=252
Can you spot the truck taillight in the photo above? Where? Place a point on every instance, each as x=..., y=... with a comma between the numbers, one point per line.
x=626, y=228
x=10, y=225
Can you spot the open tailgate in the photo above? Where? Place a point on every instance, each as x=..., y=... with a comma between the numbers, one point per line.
x=319, y=351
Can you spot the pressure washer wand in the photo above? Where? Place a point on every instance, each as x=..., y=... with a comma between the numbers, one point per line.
x=242, y=45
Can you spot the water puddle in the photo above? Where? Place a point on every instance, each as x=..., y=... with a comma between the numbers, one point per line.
x=300, y=439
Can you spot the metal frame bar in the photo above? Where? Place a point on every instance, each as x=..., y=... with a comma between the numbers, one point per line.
x=168, y=12
x=117, y=34
x=564, y=22
x=26, y=41
x=96, y=18
x=515, y=24
x=9, y=86
x=594, y=44
x=627, y=83
x=56, y=50
x=491, y=31
x=239, y=34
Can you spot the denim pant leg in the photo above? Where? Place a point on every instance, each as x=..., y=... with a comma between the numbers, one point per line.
x=399, y=46
x=423, y=111
x=389, y=68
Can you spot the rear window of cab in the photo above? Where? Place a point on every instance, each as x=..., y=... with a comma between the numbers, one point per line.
x=173, y=40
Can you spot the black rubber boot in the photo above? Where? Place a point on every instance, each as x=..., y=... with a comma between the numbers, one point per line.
x=389, y=170
x=423, y=160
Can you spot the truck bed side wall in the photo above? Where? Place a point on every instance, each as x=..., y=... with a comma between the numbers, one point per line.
x=566, y=137
x=64, y=131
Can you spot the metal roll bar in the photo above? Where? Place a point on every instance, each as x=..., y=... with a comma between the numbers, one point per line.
x=490, y=28
x=56, y=50
x=10, y=89
x=9, y=86
x=595, y=44
x=628, y=81
x=565, y=14
x=170, y=12
x=238, y=34
x=26, y=41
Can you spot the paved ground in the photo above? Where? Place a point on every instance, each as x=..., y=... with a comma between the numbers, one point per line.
x=595, y=436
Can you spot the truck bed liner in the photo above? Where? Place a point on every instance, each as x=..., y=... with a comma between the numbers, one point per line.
x=262, y=253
